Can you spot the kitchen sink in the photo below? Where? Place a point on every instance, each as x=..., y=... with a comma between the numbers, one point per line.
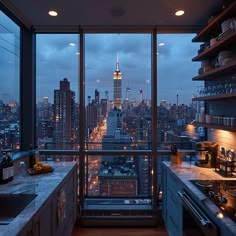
x=12, y=205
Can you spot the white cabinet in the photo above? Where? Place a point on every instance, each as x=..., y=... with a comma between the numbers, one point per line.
x=40, y=225
x=172, y=205
x=42, y=221
x=64, y=207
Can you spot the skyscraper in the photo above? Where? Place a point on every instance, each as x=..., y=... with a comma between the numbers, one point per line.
x=64, y=113
x=91, y=115
x=117, y=87
x=128, y=91
x=114, y=121
x=96, y=93
x=141, y=96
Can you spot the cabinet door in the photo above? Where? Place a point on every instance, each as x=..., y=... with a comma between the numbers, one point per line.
x=173, y=182
x=164, y=192
x=174, y=215
x=64, y=207
x=71, y=206
x=27, y=230
x=173, y=205
x=42, y=221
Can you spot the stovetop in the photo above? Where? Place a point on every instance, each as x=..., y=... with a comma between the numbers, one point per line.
x=221, y=192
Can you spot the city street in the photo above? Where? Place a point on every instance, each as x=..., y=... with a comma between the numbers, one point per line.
x=95, y=143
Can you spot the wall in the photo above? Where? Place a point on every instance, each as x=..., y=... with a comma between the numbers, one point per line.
x=224, y=138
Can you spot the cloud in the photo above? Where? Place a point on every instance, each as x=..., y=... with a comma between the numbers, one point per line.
x=56, y=60
x=175, y=67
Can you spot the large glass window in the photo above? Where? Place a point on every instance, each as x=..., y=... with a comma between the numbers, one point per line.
x=118, y=115
x=117, y=108
x=117, y=91
x=57, y=91
x=10, y=80
x=176, y=111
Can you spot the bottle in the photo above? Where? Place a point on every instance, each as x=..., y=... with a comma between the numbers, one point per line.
x=4, y=169
x=173, y=150
x=10, y=165
x=31, y=157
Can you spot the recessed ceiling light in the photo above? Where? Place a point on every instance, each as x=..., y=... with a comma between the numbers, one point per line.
x=179, y=13
x=77, y=53
x=52, y=13
x=161, y=44
x=72, y=44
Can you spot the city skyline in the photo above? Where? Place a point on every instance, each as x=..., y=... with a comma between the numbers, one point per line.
x=57, y=58
x=135, y=63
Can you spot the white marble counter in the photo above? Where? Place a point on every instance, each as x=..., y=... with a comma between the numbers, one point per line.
x=43, y=185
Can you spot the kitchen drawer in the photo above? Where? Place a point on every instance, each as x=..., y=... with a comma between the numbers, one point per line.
x=173, y=204
x=172, y=224
x=173, y=197
x=173, y=182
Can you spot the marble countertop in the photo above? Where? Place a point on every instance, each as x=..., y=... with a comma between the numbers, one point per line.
x=43, y=185
x=186, y=172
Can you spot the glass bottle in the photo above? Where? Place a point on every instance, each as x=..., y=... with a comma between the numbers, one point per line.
x=31, y=157
x=10, y=165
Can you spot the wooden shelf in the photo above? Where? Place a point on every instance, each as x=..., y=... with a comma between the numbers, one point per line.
x=222, y=44
x=215, y=97
x=220, y=71
x=206, y=33
x=212, y=126
x=225, y=41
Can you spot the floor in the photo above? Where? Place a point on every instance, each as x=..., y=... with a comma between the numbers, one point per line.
x=115, y=231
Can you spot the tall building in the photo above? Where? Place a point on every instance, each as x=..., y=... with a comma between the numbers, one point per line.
x=128, y=92
x=96, y=93
x=117, y=87
x=91, y=115
x=141, y=96
x=104, y=105
x=118, y=178
x=64, y=112
x=114, y=121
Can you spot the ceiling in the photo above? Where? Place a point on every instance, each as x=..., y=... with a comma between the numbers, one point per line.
x=73, y=14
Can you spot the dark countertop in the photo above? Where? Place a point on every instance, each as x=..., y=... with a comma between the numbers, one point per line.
x=186, y=172
x=43, y=185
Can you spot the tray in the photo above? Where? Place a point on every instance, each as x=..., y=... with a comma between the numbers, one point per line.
x=32, y=171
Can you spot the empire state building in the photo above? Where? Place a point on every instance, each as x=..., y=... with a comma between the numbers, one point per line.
x=117, y=85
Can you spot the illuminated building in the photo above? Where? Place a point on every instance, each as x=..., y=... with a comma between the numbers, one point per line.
x=64, y=103
x=117, y=83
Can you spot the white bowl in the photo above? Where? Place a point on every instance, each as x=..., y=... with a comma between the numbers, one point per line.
x=226, y=25
x=228, y=60
x=224, y=55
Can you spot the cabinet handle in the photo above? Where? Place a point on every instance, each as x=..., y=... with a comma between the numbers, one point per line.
x=194, y=209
